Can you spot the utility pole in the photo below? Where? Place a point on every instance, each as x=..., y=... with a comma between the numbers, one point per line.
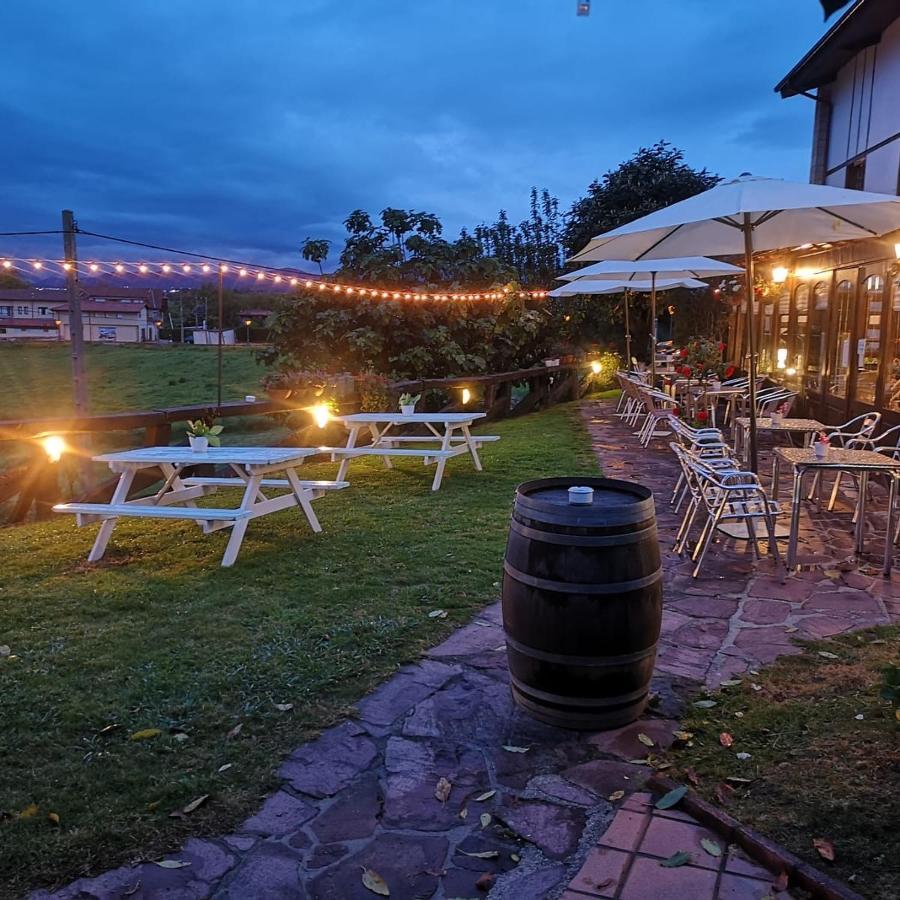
x=221, y=338
x=76, y=334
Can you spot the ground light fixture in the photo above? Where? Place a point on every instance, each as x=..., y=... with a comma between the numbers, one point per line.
x=596, y=367
x=321, y=414
x=54, y=446
x=466, y=396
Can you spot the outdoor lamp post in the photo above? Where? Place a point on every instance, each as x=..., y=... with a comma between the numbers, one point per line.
x=58, y=324
x=779, y=274
x=248, y=323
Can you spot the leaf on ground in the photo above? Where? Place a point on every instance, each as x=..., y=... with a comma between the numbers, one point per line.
x=108, y=729
x=711, y=847
x=486, y=854
x=681, y=858
x=742, y=756
x=464, y=812
x=29, y=812
x=827, y=655
x=691, y=774
x=442, y=789
x=375, y=883
x=146, y=734
x=485, y=796
x=780, y=884
x=438, y=614
x=616, y=795
x=725, y=739
x=824, y=848
x=736, y=779
x=224, y=768
x=683, y=736
x=53, y=817
x=662, y=766
x=194, y=804
x=705, y=704
x=732, y=682
x=673, y=798
x=172, y=864
x=756, y=687
x=646, y=740
x=284, y=707
x=645, y=761
x=485, y=820
x=724, y=793
x=180, y=737
x=234, y=731
x=511, y=749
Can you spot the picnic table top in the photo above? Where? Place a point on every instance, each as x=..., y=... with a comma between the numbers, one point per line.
x=365, y=418
x=837, y=458
x=252, y=456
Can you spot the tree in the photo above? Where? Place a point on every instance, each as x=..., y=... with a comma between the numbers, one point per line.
x=654, y=177
x=12, y=281
x=315, y=251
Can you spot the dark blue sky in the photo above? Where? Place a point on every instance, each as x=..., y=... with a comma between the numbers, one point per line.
x=243, y=126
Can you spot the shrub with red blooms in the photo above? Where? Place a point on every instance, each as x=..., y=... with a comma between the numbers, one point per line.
x=729, y=372
x=702, y=415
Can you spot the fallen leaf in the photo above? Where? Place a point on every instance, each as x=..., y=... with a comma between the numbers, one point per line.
x=725, y=739
x=442, y=790
x=514, y=857
x=683, y=736
x=464, y=812
x=692, y=776
x=739, y=715
x=153, y=805
x=172, y=864
x=825, y=654
x=180, y=737
x=486, y=881
x=671, y=799
x=5, y=650
x=485, y=820
x=646, y=740
x=661, y=767
x=780, y=884
x=743, y=756
x=711, y=847
x=705, y=704
x=510, y=749
x=640, y=762
x=375, y=883
x=224, y=768
x=681, y=858
x=824, y=848
x=194, y=804
x=29, y=812
x=791, y=629
x=234, y=732
x=732, y=682
x=756, y=687
x=284, y=707
x=485, y=796
x=146, y=734
x=616, y=795
x=108, y=729
x=736, y=779
x=487, y=854
x=438, y=614
x=53, y=817
x=724, y=793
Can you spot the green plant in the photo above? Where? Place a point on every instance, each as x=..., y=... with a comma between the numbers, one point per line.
x=205, y=428
x=410, y=399
x=373, y=393
x=890, y=688
x=703, y=355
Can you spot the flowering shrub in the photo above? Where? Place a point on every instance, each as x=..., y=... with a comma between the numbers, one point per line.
x=610, y=363
x=703, y=356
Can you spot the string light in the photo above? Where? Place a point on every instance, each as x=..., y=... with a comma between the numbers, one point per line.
x=260, y=275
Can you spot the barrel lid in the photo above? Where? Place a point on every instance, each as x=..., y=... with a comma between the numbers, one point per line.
x=613, y=497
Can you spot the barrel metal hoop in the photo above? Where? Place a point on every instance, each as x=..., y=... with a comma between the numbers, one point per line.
x=592, y=662
x=570, y=587
x=566, y=700
x=581, y=540
x=586, y=516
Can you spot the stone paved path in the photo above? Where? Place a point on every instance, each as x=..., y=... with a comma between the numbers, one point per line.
x=520, y=825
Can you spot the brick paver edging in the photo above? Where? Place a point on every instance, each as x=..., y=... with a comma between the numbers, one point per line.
x=758, y=847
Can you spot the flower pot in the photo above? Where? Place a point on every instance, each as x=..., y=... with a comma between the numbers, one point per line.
x=198, y=444
x=407, y=409
x=821, y=450
x=776, y=418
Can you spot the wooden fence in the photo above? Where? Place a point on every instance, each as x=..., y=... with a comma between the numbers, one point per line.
x=36, y=483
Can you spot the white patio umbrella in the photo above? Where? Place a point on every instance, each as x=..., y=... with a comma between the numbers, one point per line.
x=604, y=286
x=656, y=269
x=745, y=215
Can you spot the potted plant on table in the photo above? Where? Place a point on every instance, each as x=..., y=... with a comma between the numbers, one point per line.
x=408, y=403
x=203, y=434
x=820, y=447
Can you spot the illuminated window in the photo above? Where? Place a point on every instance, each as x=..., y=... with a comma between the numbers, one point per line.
x=818, y=319
x=801, y=329
x=841, y=350
x=868, y=349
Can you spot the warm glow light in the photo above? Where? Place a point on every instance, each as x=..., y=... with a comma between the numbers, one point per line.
x=321, y=413
x=791, y=371
x=781, y=358
x=120, y=267
x=322, y=286
x=307, y=284
x=54, y=446
x=779, y=274
x=277, y=279
x=223, y=268
x=466, y=396
x=94, y=267
x=58, y=322
x=67, y=266
x=205, y=268
x=248, y=322
x=7, y=264
x=596, y=367
x=167, y=268
x=897, y=250
x=260, y=276
x=38, y=265
x=805, y=273
x=242, y=272
x=185, y=269
x=143, y=269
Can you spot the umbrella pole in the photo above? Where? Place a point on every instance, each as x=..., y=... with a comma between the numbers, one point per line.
x=751, y=348
x=627, y=335
x=653, y=329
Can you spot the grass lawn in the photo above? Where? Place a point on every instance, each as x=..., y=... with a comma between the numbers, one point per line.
x=158, y=636
x=825, y=756
x=37, y=378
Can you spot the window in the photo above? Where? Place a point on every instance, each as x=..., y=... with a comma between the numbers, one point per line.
x=892, y=378
x=6, y=311
x=23, y=311
x=868, y=347
x=765, y=337
x=818, y=319
x=855, y=178
x=839, y=370
x=783, y=330
x=43, y=311
x=801, y=304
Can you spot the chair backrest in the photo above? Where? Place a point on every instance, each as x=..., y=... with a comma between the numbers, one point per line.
x=888, y=442
x=858, y=430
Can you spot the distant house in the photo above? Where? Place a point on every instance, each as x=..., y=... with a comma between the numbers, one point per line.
x=108, y=314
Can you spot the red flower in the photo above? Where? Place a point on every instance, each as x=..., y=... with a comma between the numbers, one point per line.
x=729, y=372
x=687, y=370
x=702, y=416
x=721, y=346
x=684, y=353
x=676, y=412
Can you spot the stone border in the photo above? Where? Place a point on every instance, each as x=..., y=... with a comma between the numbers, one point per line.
x=764, y=851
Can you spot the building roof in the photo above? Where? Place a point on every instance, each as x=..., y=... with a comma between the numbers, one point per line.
x=256, y=312
x=105, y=306
x=36, y=295
x=860, y=27
x=27, y=323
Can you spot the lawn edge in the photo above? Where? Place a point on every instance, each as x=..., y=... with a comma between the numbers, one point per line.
x=766, y=852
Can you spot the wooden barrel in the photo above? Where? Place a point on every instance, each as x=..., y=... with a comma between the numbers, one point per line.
x=582, y=601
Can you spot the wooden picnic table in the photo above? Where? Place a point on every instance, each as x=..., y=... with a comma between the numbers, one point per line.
x=836, y=459
x=176, y=499
x=451, y=430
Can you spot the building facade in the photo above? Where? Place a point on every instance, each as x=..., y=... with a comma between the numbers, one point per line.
x=108, y=315
x=832, y=328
